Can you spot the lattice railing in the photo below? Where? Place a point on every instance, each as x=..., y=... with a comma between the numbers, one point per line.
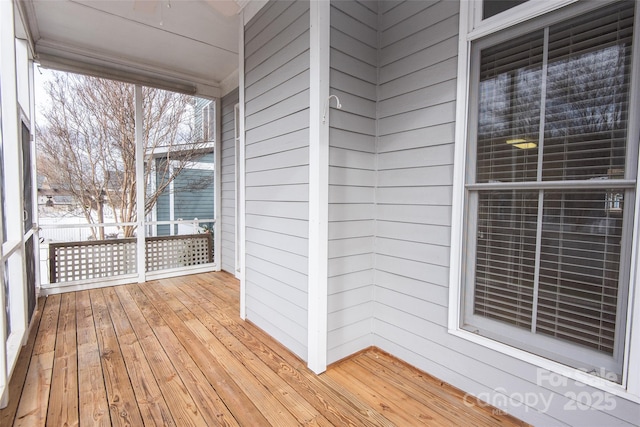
x=71, y=261
x=178, y=251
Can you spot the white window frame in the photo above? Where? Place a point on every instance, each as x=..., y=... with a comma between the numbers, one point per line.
x=472, y=28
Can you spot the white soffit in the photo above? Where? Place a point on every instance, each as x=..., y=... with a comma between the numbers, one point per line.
x=187, y=44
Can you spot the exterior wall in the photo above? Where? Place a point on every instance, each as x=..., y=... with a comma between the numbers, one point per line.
x=352, y=163
x=393, y=65
x=193, y=191
x=277, y=171
x=416, y=110
x=228, y=182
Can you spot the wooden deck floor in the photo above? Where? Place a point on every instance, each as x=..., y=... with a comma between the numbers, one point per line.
x=175, y=353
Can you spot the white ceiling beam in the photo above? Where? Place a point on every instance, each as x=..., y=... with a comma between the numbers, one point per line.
x=99, y=64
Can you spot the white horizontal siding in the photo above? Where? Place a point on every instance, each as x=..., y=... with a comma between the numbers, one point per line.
x=416, y=119
x=352, y=159
x=393, y=64
x=277, y=171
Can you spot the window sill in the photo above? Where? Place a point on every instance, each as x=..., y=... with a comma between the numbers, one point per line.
x=549, y=365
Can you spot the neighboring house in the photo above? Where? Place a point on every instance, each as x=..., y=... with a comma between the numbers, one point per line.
x=53, y=199
x=204, y=119
x=471, y=208
x=191, y=194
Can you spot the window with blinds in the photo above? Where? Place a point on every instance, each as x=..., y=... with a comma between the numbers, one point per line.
x=552, y=189
x=494, y=7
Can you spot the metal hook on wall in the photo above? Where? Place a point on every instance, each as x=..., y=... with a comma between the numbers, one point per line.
x=326, y=106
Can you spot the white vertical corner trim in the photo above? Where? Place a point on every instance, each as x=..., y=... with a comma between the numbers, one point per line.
x=217, y=186
x=236, y=191
x=459, y=163
x=240, y=214
x=318, y=187
x=140, y=196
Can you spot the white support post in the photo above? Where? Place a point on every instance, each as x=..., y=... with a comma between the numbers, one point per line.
x=240, y=215
x=217, y=185
x=140, y=196
x=318, y=186
x=239, y=221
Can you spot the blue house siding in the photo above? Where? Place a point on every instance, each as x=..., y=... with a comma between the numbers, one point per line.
x=193, y=192
x=277, y=171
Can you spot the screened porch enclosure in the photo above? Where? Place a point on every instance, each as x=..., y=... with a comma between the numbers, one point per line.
x=161, y=168
x=453, y=183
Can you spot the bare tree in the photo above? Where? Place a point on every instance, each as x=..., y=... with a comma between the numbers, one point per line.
x=87, y=144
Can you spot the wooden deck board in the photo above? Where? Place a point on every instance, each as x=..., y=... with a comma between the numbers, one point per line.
x=93, y=405
x=34, y=400
x=182, y=406
x=63, y=402
x=225, y=341
x=263, y=398
x=120, y=394
x=153, y=407
x=24, y=359
x=175, y=352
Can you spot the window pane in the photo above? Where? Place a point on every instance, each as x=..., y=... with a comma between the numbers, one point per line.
x=505, y=256
x=548, y=278
x=587, y=95
x=509, y=110
x=579, y=268
x=493, y=7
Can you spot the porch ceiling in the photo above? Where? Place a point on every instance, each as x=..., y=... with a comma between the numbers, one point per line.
x=189, y=44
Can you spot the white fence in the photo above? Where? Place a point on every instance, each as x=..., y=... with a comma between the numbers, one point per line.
x=69, y=234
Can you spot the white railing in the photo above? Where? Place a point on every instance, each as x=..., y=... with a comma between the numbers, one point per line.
x=75, y=261
x=69, y=253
